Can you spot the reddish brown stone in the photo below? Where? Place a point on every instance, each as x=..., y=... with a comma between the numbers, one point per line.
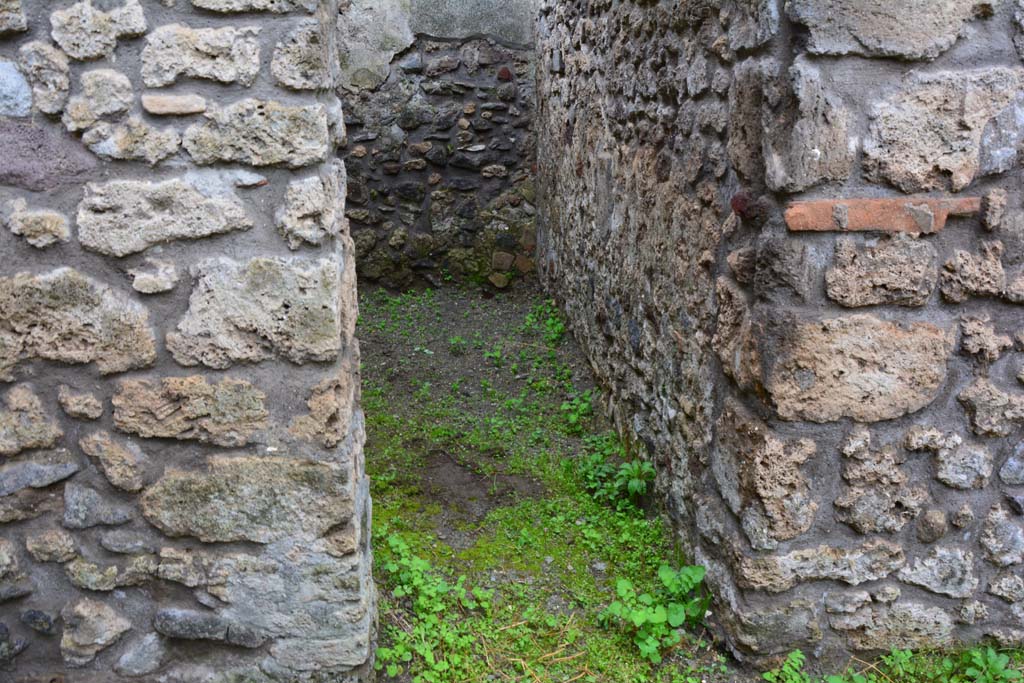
x=504, y=74
x=911, y=214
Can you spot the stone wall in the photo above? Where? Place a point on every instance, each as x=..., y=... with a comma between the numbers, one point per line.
x=441, y=149
x=182, y=491
x=789, y=236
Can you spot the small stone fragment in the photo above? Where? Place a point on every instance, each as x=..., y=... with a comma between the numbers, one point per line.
x=899, y=270
x=931, y=526
x=85, y=507
x=173, y=105
x=846, y=602
x=258, y=499
x=36, y=470
x=946, y=571
x=1002, y=538
x=992, y=412
x=79, y=405
x=10, y=647
x=1012, y=471
x=126, y=542
x=133, y=140
x=995, y=209
x=24, y=424
x=978, y=338
x=15, y=93
x=85, y=32
x=1008, y=586
x=89, y=627
x=265, y=307
x=963, y=517
x=227, y=413
x=104, y=92
x=870, y=562
x=124, y=217
x=225, y=55
x=54, y=545
x=972, y=612
x=48, y=72
x=39, y=621
x=122, y=464
x=261, y=133
x=960, y=466
x=159, y=276
x=14, y=583
x=330, y=411
x=41, y=229
x=311, y=212
x=12, y=17
x=301, y=59
x=966, y=275
x=142, y=656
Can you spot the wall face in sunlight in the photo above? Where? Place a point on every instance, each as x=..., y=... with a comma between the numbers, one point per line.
x=790, y=239
x=182, y=491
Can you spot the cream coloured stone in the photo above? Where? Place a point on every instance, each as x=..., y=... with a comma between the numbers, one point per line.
x=79, y=405
x=25, y=424
x=84, y=32
x=103, y=92
x=872, y=561
x=158, y=276
x=12, y=17
x=47, y=70
x=123, y=464
x=902, y=625
x=900, y=270
x=947, y=571
x=53, y=545
x=132, y=140
x=173, y=105
x=312, y=209
x=89, y=628
x=225, y=55
x=41, y=229
x=301, y=59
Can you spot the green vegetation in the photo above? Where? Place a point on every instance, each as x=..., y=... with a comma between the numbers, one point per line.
x=977, y=665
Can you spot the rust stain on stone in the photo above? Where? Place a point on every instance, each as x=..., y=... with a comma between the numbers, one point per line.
x=925, y=215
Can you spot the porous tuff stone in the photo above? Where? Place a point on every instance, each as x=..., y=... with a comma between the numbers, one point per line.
x=40, y=228
x=24, y=423
x=918, y=29
x=258, y=499
x=53, y=545
x=928, y=136
x=89, y=627
x=85, y=32
x=300, y=59
x=758, y=474
x=960, y=465
x=778, y=573
x=252, y=311
x=857, y=366
x=122, y=464
x=48, y=72
x=978, y=338
x=1008, y=586
x=966, y=274
x=85, y=507
x=79, y=405
x=225, y=55
x=261, y=133
x=102, y=92
x=68, y=317
x=227, y=413
x=123, y=217
x=14, y=583
x=1002, y=538
x=901, y=271
x=158, y=276
x=310, y=213
x=992, y=412
x=278, y=6
x=133, y=140
x=947, y=571
x=905, y=625
x=370, y=34
x=36, y=470
x=330, y=409
x=12, y=17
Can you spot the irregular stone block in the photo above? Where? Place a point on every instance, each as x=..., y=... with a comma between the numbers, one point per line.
x=25, y=424
x=159, y=276
x=858, y=366
x=924, y=215
x=932, y=526
x=1008, y=586
x=54, y=545
x=14, y=583
x=806, y=141
x=311, y=212
x=104, y=92
x=966, y=275
x=12, y=17
x=142, y=656
x=370, y=34
x=48, y=72
x=919, y=29
x=126, y=542
x=330, y=410
x=252, y=311
x=928, y=136
x=1012, y=471
x=992, y=412
x=736, y=337
x=301, y=59
x=173, y=105
x=15, y=93
x=878, y=499
x=946, y=571
x=258, y=499
x=36, y=470
x=225, y=55
x=93, y=577
x=227, y=413
x=752, y=24
x=758, y=474
x=41, y=229
x=261, y=133
x=898, y=271
x=960, y=466
x=122, y=464
x=10, y=647
x=89, y=628
x=903, y=625
x=778, y=573
x=84, y=508
x=39, y=158
x=978, y=338
x=79, y=405
x=1002, y=538
x=127, y=216
x=277, y=6
x=133, y=140
x=39, y=621
x=85, y=32
x=67, y=317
